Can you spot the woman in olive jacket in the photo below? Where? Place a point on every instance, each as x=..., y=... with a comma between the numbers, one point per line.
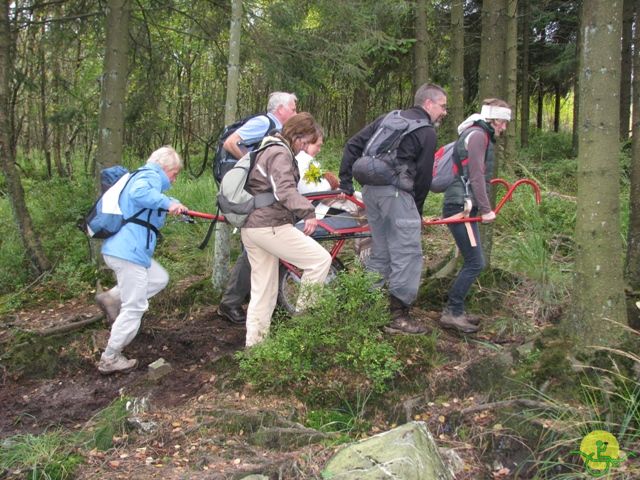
x=269, y=233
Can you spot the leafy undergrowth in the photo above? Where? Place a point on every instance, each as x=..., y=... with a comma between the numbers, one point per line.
x=506, y=400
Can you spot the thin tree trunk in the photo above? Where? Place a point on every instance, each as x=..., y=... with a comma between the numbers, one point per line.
x=539, y=117
x=114, y=83
x=456, y=97
x=556, y=110
x=221, y=255
x=360, y=108
x=28, y=235
x=421, y=61
x=598, y=296
x=525, y=94
x=511, y=82
x=44, y=120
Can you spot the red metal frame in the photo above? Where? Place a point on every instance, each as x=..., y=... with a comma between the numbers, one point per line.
x=347, y=233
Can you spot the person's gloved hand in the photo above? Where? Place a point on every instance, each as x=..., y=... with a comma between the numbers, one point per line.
x=332, y=179
x=488, y=217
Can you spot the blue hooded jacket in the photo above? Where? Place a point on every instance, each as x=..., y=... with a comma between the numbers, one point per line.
x=143, y=191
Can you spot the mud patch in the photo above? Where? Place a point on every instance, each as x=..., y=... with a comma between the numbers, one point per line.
x=77, y=392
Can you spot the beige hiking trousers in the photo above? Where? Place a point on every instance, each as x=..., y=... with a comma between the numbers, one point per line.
x=265, y=246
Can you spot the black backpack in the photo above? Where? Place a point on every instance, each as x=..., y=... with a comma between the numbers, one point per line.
x=378, y=164
x=223, y=161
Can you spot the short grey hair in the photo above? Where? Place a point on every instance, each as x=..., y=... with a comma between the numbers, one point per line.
x=428, y=91
x=166, y=157
x=280, y=98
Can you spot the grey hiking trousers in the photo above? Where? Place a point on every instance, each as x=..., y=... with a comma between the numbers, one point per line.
x=396, y=241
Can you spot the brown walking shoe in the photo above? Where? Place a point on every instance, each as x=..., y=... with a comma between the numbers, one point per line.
x=457, y=322
x=401, y=321
x=110, y=306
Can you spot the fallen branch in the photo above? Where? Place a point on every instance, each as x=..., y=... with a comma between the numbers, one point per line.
x=523, y=402
x=71, y=326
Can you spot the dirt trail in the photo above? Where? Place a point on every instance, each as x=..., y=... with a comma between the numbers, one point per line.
x=77, y=391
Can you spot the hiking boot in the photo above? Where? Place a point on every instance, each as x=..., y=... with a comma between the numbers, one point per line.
x=401, y=321
x=457, y=322
x=405, y=325
x=473, y=319
x=117, y=363
x=234, y=314
x=110, y=306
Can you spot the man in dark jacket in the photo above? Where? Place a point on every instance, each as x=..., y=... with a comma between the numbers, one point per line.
x=394, y=213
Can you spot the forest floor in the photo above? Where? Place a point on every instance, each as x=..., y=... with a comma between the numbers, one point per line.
x=61, y=387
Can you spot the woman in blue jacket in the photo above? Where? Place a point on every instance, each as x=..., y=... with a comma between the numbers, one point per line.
x=129, y=254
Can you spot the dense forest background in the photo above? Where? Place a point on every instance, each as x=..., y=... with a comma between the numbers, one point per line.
x=86, y=84
x=89, y=84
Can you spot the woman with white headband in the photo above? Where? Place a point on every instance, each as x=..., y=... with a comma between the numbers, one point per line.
x=468, y=196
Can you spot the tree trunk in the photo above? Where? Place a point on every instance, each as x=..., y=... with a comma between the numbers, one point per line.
x=492, y=74
x=29, y=237
x=633, y=236
x=625, y=69
x=556, y=110
x=492, y=53
x=456, y=97
x=44, y=119
x=576, y=92
x=421, y=68
x=539, y=112
x=114, y=83
x=525, y=94
x=511, y=82
x=359, y=109
x=221, y=255
x=598, y=297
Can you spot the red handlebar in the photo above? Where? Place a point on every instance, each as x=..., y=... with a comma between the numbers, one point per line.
x=436, y=221
x=507, y=196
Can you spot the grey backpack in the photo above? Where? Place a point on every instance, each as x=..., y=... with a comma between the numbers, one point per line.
x=378, y=164
x=234, y=201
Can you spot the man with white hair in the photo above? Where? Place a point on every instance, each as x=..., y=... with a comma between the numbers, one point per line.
x=280, y=108
x=468, y=196
x=129, y=254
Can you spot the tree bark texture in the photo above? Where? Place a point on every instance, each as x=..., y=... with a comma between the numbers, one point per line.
x=113, y=87
x=598, y=288
x=525, y=93
x=511, y=81
x=223, y=230
x=421, y=61
x=28, y=235
x=633, y=236
x=456, y=96
x=625, y=68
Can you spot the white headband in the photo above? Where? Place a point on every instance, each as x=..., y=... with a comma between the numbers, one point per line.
x=496, y=113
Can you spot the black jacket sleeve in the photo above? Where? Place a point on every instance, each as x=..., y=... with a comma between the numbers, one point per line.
x=424, y=164
x=353, y=151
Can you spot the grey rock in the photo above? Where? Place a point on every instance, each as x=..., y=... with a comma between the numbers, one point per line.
x=408, y=452
x=159, y=369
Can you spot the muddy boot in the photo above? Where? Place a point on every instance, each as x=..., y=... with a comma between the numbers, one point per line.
x=457, y=322
x=473, y=319
x=401, y=321
x=109, y=305
x=116, y=363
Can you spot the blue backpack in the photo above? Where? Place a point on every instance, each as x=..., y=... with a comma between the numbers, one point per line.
x=105, y=218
